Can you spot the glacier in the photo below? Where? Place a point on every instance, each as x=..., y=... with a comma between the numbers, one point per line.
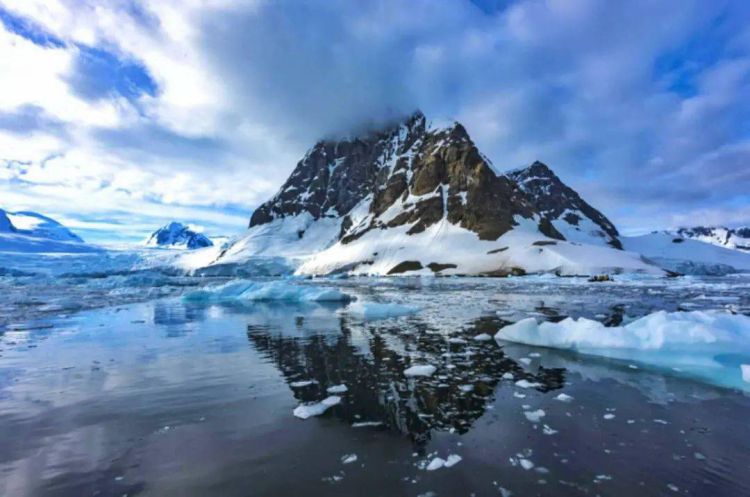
x=708, y=345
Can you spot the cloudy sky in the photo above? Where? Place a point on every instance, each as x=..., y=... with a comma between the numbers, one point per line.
x=119, y=115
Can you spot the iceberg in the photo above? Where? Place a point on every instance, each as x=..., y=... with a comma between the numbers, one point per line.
x=280, y=291
x=710, y=346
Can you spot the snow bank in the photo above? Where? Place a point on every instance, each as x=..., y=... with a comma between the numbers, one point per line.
x=281, y=291
x=374, y=310
x=711, y=346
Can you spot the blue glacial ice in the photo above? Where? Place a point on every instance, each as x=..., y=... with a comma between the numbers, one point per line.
x=712, y=346
x=375, y=310
x=271, y=291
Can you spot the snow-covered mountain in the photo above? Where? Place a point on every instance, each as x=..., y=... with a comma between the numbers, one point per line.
x=178, y=235
x=32, y=232
x=571, y=216
x=732, y=238
x=687, y=256
x=415, y=198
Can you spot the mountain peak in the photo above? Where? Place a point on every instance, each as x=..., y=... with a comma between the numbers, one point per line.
x=178, y=235
x=563, y=207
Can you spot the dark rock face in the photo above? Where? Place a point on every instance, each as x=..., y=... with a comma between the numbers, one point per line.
x=557, y=201
x=427, y=174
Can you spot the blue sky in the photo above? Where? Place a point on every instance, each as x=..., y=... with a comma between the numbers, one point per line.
x=117, y=116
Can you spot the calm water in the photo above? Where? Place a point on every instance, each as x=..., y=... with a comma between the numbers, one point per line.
x=164, y=398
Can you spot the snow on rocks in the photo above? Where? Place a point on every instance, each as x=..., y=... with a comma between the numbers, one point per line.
x=374, y=310
x=420, y=370
x=306, y=411
x=689, y=343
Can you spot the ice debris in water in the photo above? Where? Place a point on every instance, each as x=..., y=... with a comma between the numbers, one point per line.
x=564, y=397
x=302, y=383
x=609, y=416
x=375, y=310
x=706, y=345
x=745, y=368
x=439, y=462
x=534, y=416
x=420, y=370
x=527, y=384
x=308, y=410
x=337, y=389
x=349, y=458
x=484, y=337
x=281, y=291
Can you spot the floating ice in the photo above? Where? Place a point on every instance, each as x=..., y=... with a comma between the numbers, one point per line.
x=534, y=416
x=302, y=383
x=526, y=464
x=484, y=337
x=507, y=376
x=308, y=410
x=436, y=463
x=527, y=384
x=745, y=368
x=281, y=291
x=375, y=310
x=349, y=458
x=452, y=460
x=609, y=416
x=707, y=345
x=548, y=431
x=366, y=424
x=337, y=389
x=420, y=370
x=563, y=397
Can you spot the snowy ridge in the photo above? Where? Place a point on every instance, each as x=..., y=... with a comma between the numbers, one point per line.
x=732, y=238
x=32, y=232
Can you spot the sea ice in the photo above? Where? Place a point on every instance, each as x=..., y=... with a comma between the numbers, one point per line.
x=534, y=416
x=436, y=463
x=281, y=291
x=700, y=344
x=302, y=383
x=349, y=458
x=563, y=397
x=375, y=310
x=452, y=460
x=484, y=337
x=527, y=384
x=420, y=370
x=337, y=389
x=305, y=411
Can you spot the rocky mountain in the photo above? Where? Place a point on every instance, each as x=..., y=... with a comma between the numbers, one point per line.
x=419, y=197
x=178, y=235
x=733, y=238
x=27, y=231
x=564, y=208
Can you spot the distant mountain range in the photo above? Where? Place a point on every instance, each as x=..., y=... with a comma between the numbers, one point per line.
x=32, y=232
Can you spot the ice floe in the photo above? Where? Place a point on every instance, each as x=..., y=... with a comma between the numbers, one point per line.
x=707, y=345
x=305, y=411
x=376, y=310
x=534, y=416
x=564, y=397
x=337, y=389
x=271, y=291
x=527, y=384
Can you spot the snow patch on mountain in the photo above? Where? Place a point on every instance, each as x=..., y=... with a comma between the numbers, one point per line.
x=732, y=238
